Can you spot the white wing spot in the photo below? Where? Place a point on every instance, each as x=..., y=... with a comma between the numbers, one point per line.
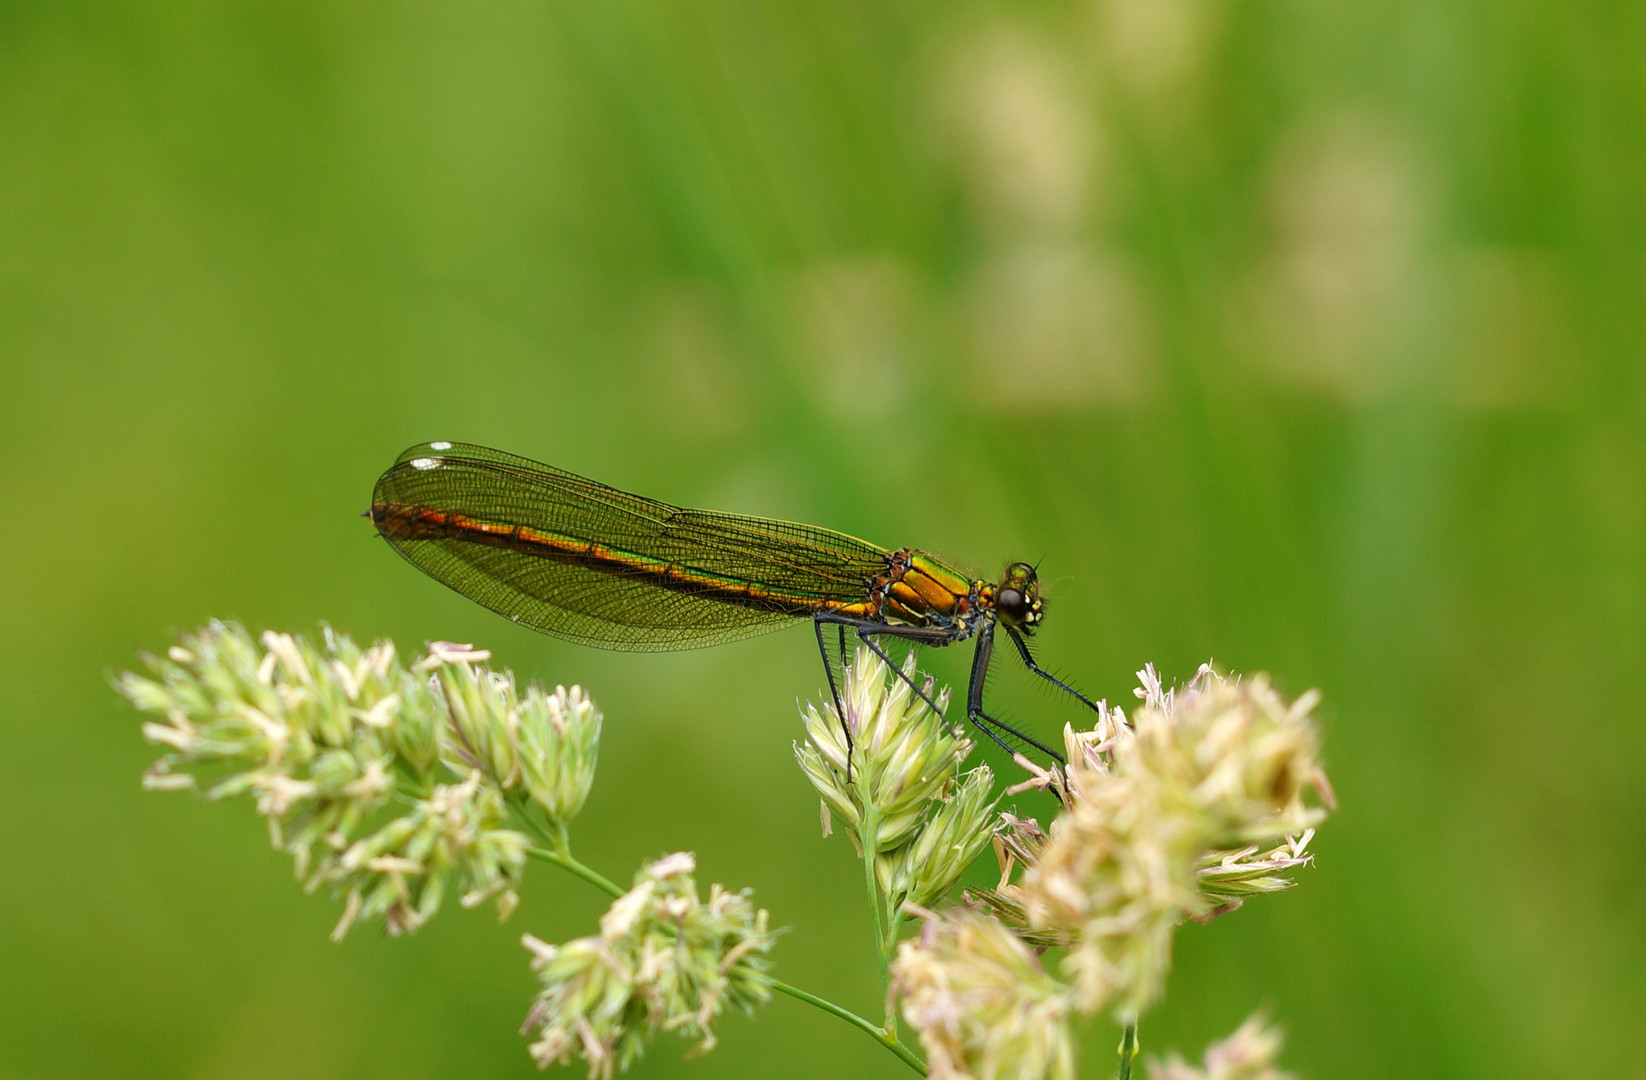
x=425, y=463
x=440, y=446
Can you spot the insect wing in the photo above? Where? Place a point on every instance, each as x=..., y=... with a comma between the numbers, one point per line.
x=583, y=561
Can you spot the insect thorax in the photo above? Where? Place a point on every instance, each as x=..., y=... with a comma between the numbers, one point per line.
x=919, y=590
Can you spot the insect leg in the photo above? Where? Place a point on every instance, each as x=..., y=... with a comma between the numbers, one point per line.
x=834, y=692
x=1028, y=661
x=867, y=636
x=974, y=700
x=868, y=630
x=865, y=631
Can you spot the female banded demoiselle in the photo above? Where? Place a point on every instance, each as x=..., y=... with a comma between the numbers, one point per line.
x=589, y=563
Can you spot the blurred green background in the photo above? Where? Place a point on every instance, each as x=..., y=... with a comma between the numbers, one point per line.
x=1306, y=337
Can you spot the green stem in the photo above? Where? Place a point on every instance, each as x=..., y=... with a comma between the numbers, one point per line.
x=886, y=1036
x=885, y=922
x=565, y=861
x=552, y=834
x=866, y=839
x=883, y=1037
x=894, y=923
x=1128, y=1050
x=894, y=927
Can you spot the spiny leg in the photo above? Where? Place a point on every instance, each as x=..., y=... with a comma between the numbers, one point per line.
x=988, y=725
x=834, y=692
x=983, y=722
x=1028, y=661
x=997, y=731
x=974, y=698
x=867, y=635
x=915, y=635
x=865, y=630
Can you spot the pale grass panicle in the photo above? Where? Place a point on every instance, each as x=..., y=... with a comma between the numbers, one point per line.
x=387, y=783
x=1233, y=749
x=903, y=755
x=923, y=870
x=393, y=785
x=1018, y=842
x=401, y=871
x=664, y=960
x=980, y=1002
x=541, y=743
x=1164, y=817
x=1248, y=1054
x=929, y=820
x=1227, y=878
x=1114, y=877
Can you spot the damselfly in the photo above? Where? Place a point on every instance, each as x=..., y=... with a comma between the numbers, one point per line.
x=589, y=563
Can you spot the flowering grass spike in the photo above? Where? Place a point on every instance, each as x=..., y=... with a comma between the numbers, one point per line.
x=981, y=1003
x=395, y=785
x=388, y=784
x=1164, y=818
x=915, y=818
x=1248, y=1054
x=903, y=755
x=663, y=961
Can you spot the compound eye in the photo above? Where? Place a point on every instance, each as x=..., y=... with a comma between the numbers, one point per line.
x=1012, y=605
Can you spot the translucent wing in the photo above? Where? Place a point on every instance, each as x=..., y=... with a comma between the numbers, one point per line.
x=592, y=564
